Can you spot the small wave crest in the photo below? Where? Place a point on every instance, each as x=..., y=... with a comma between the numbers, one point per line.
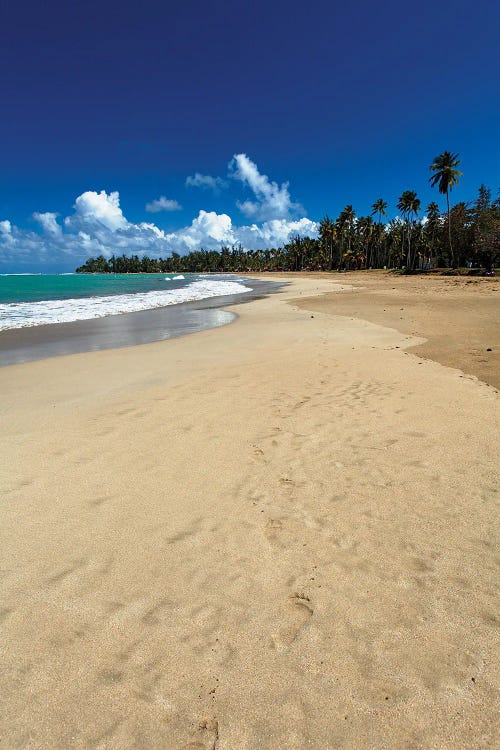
x=27, y=314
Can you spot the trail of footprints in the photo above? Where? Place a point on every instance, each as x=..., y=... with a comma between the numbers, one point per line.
x=285, y=522
x=304, y=429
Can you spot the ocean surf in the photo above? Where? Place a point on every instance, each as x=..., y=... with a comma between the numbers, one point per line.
x=123, y=295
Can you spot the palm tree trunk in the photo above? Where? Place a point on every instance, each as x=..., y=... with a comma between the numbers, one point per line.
x=379, y=245
x=449, y=229
x=408, y=259
x=402, y=245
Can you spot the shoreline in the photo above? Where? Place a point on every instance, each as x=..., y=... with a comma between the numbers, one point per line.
x=33, y=343
x=278, y=533
x=365, y=296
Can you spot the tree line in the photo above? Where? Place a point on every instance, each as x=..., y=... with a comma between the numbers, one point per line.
x=467, y=234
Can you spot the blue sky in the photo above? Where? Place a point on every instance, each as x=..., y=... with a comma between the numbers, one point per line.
x=345, y=103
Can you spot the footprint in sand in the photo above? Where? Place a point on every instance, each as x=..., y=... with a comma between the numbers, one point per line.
x=300, y=403
x=299, y=610
x=4, y=612
x=58, y=575
x=258, y=454
x=272, y=531
x=286, y=483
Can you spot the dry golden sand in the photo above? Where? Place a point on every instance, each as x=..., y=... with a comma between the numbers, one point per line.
x=275, y=535
x=458, y=316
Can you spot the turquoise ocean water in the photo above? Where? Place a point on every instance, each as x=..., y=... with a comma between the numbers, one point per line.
x=37, y=287
x=31, y=300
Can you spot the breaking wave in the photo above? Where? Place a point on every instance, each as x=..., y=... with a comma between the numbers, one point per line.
x=46, y=312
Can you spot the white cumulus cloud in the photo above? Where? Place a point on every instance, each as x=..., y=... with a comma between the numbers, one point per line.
x=276, y=232
x=163, y=204
x=98, y=210
x=272, y=201
x=48, y=222
x=208, y=230
x=98, y=226
x=206, y=182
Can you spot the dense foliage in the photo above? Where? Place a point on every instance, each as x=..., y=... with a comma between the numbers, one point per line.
x=467, y=234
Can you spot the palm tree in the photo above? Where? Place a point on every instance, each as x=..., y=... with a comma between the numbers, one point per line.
x=433, y=218
x=327, y=235
x=349, y=217
x=394, y=239
x=445, y=177
x=364, y=230
x=344, y=225
x=380, y=208
x=409, y=205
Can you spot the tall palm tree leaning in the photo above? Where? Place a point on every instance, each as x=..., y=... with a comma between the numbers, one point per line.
x=445, y=177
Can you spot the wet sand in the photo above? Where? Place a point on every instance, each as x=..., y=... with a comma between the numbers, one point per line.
x=128, y=329
x=275, y=534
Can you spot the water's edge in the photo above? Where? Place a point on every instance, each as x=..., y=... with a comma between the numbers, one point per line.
x=127, y=329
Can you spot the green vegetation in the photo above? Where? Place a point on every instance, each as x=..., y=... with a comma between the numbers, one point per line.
x=445, y=177
x=467, y=234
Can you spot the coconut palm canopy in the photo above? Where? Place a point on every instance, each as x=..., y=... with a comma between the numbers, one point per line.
x=379, y=207
x=445, y=171
x=408, y=203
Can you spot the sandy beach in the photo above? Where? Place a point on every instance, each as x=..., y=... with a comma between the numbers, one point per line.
x=278, y=534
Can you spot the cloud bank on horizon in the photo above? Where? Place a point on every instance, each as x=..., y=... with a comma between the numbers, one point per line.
x=98, y=226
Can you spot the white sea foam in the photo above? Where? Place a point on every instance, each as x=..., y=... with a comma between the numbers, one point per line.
x=26, y=314
x=177, y=278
